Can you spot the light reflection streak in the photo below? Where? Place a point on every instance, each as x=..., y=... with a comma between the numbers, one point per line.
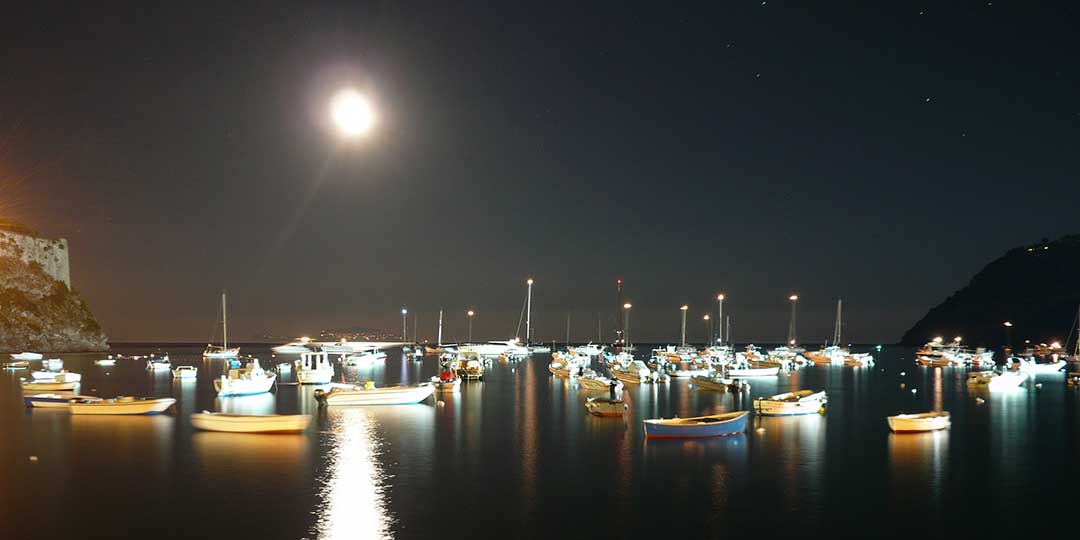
x=353, y=499
x=919, y=462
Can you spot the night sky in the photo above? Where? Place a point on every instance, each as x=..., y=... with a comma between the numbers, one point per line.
x=879, y=152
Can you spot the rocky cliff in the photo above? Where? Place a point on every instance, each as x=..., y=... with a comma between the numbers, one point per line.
x=40, y=313
x=1035, y=287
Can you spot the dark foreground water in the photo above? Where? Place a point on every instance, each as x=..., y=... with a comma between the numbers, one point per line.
x=517, y=456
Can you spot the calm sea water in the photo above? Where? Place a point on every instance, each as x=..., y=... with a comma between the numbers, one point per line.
x=517, y=456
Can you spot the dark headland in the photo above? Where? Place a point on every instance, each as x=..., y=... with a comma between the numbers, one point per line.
x=1035, y=287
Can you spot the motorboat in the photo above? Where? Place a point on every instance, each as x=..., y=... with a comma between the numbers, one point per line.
x=589, y=349
x=910, y=423
x=159, y=364
x=299, y=346
x=791, y=403
x=932, y=349
x=719, y=383
x=1029, y=365
x=539, y=349
x=832, y=354
x=995, y=381
x=634, y=373
x=715, y=425
x=110, y=361
x=446, y=385
x=250, y=423
x=365, y=358
x=314, y=368
x=52, y=363
x=56, y=376
x=122, y=405
x=560, y=368
x=245, y=381
x=368, y=394
x=185, y=372
x=49, y=386
x=469, y=366
x=53, y=401
x=859, y=359
x=26, y=356
x=605, y=406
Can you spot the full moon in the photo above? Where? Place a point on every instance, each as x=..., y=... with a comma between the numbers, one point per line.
x=352, y=113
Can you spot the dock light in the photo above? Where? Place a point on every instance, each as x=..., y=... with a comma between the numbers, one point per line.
x=706, y=317
x=471, y=313
x=719, y=297
x=352, y=113
x=684, y=308
x=530, y=281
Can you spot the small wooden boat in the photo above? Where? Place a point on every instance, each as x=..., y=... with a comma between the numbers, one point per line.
x=54, y=401
x=605, y=407
x=995, y=381
x=791, y=403
x=559, y=369
x=250, y=423
x=26, y=356
x=122, y=405
x=592, y=380
x=55, y=376
x=346, y=394
x=185, y=372
x=20, y=364
x=716, y=425
x=49, y=386
x=910, y=423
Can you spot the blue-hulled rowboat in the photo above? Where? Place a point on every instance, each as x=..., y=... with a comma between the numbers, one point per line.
x=716, y=425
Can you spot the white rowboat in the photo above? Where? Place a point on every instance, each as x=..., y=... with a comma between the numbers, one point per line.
x=49, y=385
x=910, y=423
x=122, y=405
x=369, y=395
x=250, y=423
x=791, y=403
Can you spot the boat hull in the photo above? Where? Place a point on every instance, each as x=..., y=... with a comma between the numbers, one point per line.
x=724, y=425
x=314, y=376
x=50, y=385
x=240, y=423
x=135, y=406
x=392, y=395
x=916, y=423
x=243, y=387
x=778, y=406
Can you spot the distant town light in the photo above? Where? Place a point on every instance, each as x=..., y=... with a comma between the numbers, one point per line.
x=684, y=308
x=793, y=297
x=627, y=305
x=719, y=297
x=706, y=317
x=530, y=282
x=1009, y=324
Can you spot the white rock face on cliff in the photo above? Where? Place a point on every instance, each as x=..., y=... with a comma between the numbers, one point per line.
x=39, y=311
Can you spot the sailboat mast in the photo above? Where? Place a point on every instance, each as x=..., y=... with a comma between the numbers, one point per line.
x=528, y=314
x=568, y=329
x=440, y=327
x=836, y=329
x=224, y=323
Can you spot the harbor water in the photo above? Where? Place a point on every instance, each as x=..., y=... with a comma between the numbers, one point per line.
x=517, y=456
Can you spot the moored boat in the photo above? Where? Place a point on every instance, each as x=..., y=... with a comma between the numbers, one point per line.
x=185, y=372
x=791, y=403
x=26, y=356
x=250, y=423
x=605, y=406
x=368, y=394
x=995, y=381
x=911, y=423
x=55, y=376
x=314, y=368
x=252, y=379
x=121, y=405
x=716, y=425
x=54, y=401
x=52, y=363
x=18, y=364
x=719, y=383
x=746, y=372
x=159, y=364
x=49, y=386
x=110, y=361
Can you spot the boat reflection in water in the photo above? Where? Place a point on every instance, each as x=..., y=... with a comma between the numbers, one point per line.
x=918, y=462
x=263, y=403
x=141, y=443
x=353, y=485
x=795, y=445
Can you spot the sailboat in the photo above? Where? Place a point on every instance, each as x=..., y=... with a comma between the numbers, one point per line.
x=831, y=354
x=214, y=351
